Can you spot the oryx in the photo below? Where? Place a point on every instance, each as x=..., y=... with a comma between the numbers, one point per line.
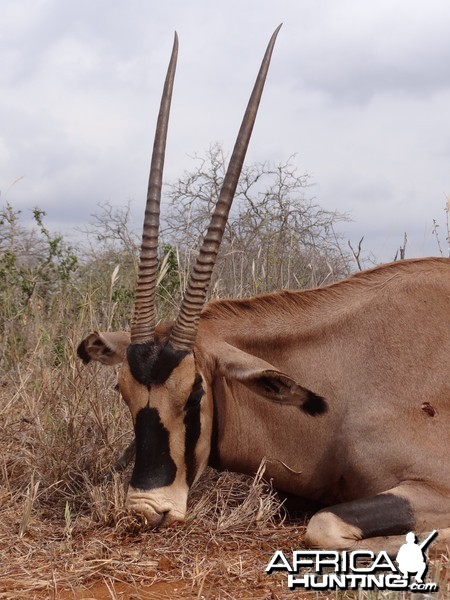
x=345, y=390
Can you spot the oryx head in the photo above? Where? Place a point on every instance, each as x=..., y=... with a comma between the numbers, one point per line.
x=160, y=376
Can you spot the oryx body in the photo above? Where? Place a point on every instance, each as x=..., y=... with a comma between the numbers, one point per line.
x=344, y=390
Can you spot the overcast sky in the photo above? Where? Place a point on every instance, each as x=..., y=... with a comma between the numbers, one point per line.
x=359, y=90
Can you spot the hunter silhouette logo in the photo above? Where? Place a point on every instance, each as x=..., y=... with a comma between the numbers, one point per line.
x=333, y=570
x=411, y=558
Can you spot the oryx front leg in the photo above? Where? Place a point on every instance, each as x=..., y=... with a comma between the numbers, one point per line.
x=380, y=522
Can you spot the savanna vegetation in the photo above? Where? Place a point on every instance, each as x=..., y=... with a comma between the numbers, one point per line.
x=63, y=530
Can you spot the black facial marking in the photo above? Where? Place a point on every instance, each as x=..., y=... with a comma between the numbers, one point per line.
x=214, y=455
x=314, y=405
x=152, y=363
x=196, y=394
x=81, y=352
x=192, y=428
x=385, y=514
x=153, y=467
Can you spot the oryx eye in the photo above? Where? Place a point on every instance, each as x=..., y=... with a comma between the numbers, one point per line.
x=116, y=388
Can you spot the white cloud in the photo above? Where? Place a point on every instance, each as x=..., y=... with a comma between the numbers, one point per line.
x=358, y=89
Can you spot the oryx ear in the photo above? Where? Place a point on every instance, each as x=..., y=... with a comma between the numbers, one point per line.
x=108, y=348
x=266, y=380
x=279, y=387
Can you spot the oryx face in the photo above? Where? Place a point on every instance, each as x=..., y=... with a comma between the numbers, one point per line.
x=172, y=424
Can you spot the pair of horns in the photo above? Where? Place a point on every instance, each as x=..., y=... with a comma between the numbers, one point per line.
x=185, y=328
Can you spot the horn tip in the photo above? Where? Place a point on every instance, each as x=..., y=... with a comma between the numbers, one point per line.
x=275, y=33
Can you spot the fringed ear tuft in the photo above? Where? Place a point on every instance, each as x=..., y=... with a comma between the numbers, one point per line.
x=314, y=405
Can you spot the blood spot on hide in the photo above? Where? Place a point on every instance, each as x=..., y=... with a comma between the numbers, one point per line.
x=428, y=409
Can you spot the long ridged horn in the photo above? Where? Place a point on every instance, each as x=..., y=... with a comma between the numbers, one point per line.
x=185, y=328
x=144, y=319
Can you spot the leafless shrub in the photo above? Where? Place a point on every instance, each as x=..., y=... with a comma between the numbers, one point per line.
x=275, y=236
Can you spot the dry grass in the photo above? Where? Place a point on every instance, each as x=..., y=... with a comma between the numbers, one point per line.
x=63, y=530
x=217, y=548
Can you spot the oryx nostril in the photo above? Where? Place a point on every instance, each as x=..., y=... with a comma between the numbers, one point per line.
x=171, y=520
x=153, y=520
x=156, y=520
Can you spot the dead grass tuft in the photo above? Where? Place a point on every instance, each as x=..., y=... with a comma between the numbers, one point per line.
x=64, y=532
